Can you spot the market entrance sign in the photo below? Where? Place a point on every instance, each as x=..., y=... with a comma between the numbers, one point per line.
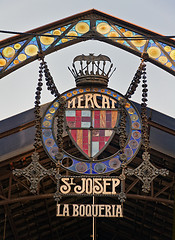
x=89, y=210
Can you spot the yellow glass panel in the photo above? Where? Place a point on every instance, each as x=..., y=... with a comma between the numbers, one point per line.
x=167, y=48
x=128, y=34
x=46, y=123
x=172, y=54
x=163, y=59
x=82, y=27
x=56, y=104
x=131, y=110
x=57, y=32
x=72, y=33
x=31, y=50
x=122, y=30
x=2, y=62
x=22, y=57
x=103, y=28
x=113, y=35
x=127, y=105
x=154, y=52
x=46, y=40
x=52, y=110
x=15, y=61
x=8, y=52
x=49, y=116
x=120, y=41
x=64, y=40
x=139, y=43
x=17, y=46
x=169, y=64
x=69, y=94
x=63, y=29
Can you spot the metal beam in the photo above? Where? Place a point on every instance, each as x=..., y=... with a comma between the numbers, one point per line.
x=50, y=195
x=132, y=185
x=9, y=215
x=164, y=189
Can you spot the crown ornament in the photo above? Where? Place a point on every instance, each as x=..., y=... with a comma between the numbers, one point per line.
x=92, y=70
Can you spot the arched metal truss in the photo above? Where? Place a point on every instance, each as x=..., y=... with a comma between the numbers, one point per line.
x=22, y=49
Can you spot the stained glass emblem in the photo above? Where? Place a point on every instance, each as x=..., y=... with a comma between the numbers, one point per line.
x=91, y=130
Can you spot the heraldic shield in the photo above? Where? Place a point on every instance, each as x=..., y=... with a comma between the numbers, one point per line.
x=91, y=130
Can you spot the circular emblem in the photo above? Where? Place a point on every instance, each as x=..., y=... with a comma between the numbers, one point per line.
x=91, y=121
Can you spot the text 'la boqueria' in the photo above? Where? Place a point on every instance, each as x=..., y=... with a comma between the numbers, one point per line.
x=88, y=210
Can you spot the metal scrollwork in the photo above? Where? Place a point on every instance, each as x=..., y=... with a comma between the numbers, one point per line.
x=146, y=172
x=34, y=172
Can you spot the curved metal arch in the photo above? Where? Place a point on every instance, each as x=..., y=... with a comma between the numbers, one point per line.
x=22, y=49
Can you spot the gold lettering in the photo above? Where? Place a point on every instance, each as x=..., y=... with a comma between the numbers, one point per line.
x=89, y=186
x=71, y=102
x=119, y=211
x=65, y=188
x=88, y=98
x=105, y=102
x=75, y=210
x=66, y=210
x=88, y=211
x=113, y=210
x=115, y=183
x=101, y=208
x=58, y=211
x=94, y=210
x=95, y=100
x=82, y=210
x=113, y=102
x=97, y=188
x=108, y=211
x=80, y=99
x=106, y=183
x=80, y=189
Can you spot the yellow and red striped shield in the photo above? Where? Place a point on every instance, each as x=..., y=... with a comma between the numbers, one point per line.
x=91, y=130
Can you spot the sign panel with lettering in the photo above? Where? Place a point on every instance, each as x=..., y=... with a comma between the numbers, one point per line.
x=88, y=210
x=100, y=186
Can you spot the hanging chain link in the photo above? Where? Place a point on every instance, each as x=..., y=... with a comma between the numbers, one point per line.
x=135, y=82
x=49, y=81
x=60, y=125
x=145, y=135
x=122, y=130
x=37, y=140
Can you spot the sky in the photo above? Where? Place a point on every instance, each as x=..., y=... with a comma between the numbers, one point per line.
x=17, y=90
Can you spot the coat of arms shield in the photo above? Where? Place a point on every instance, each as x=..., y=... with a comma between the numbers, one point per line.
x=91, y=130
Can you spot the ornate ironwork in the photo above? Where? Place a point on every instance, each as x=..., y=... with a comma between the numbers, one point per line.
x=60, y=122
x=37, y=140
x=146, y=172
x=34, y=172
x=122, y=194
x=135, y=82
x=50, y=82
x=92, y=70
x=57, y=196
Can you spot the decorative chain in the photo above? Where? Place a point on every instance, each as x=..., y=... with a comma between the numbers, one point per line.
x=35, y=172
x=145, y=135
x=122, y=130
x=37, y=140
x=146, y=171
x=49, y=81
x=135, y=82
